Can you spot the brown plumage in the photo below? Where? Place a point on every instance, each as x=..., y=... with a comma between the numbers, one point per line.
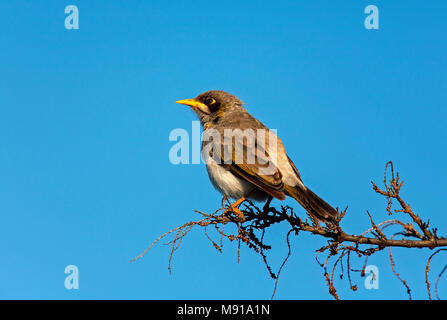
x=246, y=159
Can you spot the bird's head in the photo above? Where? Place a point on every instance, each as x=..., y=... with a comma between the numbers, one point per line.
x=212, y=105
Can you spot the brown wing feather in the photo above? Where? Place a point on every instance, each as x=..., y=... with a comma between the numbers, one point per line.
x=255, y=167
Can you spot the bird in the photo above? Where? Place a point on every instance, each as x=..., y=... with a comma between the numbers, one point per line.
x=246, y=160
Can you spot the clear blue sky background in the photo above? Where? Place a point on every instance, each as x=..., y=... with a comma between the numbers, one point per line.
x=85, y=117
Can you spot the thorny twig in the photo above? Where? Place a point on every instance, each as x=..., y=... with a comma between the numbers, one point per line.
x=341, y=246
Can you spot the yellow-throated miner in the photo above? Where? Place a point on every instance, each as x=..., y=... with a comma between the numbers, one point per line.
x=249, y=165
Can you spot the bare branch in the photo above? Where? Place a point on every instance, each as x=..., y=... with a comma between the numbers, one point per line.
x=250, y=230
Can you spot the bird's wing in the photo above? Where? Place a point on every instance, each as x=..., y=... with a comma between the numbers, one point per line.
x=253, y=164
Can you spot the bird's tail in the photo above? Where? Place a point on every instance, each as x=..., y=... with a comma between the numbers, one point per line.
x=313, y=204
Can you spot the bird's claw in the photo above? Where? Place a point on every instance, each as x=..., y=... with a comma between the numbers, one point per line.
x=237, y=212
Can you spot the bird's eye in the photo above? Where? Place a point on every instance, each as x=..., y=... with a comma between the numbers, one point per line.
x=209, y=101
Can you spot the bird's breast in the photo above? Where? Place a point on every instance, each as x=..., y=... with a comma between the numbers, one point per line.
x=226, y=182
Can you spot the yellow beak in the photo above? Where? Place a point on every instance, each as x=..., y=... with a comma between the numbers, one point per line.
x=193, y=103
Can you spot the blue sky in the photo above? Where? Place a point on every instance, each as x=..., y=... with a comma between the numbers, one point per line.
x=85, y=117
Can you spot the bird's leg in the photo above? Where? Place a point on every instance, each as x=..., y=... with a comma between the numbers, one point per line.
x=267, y=204
x=234, y=207
x=237, y=203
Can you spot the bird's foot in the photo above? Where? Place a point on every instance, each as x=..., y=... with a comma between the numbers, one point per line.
x=234, y=208
x=238, y=213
